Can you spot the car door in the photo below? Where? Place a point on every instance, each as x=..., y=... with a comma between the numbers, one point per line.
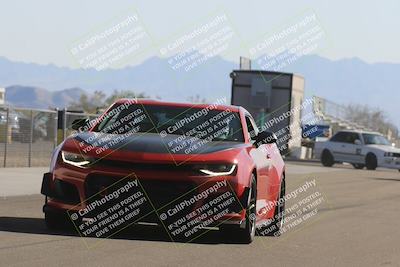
x=269, y=168
x=337, y=145
x=344, y=147
x=353, y=148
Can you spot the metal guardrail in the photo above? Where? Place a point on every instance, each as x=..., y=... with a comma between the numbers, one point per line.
x=29, y=136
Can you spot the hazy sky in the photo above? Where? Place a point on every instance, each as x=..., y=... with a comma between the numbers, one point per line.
x=42, y=31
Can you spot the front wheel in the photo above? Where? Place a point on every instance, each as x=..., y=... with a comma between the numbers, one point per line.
x=371, y=161
x=244, y=235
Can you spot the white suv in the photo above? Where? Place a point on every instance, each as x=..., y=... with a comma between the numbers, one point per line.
x=360, y=148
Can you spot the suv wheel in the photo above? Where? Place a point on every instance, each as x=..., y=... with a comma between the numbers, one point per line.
x=371, y=161
x=327, y=158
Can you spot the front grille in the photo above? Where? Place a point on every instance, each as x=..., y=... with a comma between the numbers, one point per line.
x=162, y=194
x=165, y=195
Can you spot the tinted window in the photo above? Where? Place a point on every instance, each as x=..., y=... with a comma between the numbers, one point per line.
x=203, y=123
x=339, y=137
x=352, y=137
x=345, y=137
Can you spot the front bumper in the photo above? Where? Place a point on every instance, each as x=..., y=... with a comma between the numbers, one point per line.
x=390, y=162
x=70, y=190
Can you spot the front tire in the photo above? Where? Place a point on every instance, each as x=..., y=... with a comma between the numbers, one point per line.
x=244, y=235
x=327, y=158
x=371, y=161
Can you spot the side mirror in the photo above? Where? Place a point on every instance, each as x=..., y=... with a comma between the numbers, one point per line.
x=357, y=142
x=265, y=138
x=78, y=123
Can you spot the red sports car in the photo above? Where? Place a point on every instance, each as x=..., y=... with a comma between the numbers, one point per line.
x=185, y=167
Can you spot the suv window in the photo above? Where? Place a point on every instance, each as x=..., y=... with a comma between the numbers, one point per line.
x=352, y=137
x=345, y=137
x=339, y=137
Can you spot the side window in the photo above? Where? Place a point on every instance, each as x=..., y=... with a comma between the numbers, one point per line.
x=339, y=137
x=345, y=137
x=251, y=127
x=352, y=137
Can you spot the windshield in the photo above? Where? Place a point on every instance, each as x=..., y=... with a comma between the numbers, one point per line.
x=375, y=139
x=204, y=123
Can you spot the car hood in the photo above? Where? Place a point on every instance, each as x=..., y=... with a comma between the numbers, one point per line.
x=385, y=148
x=90, y=142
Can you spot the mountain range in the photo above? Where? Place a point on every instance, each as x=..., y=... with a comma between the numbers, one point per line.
x=343, y=81
x=36, y=97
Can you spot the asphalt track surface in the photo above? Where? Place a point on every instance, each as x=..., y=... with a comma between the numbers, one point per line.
x=357, y=224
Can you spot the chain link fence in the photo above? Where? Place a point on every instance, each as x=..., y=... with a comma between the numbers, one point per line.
x=29, y=136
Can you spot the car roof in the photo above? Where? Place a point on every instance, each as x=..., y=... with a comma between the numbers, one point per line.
x=359, y=131
x=147, y=101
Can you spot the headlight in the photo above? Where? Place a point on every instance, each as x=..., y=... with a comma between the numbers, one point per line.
x=77, y=160
x=216, y=169
x=388, y=154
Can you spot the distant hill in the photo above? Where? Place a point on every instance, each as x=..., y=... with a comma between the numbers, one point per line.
x=153, y=77
x=35, y=97
x=343, y=81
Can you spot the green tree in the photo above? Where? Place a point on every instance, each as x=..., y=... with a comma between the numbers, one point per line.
x=118, y=94
x=89, y=103
x=98, y=101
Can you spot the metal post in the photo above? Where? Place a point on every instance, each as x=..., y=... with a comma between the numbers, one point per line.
x=55, y=129
x=65, y=124
x=30, y=141
x=61, y=125
x=6, y=137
